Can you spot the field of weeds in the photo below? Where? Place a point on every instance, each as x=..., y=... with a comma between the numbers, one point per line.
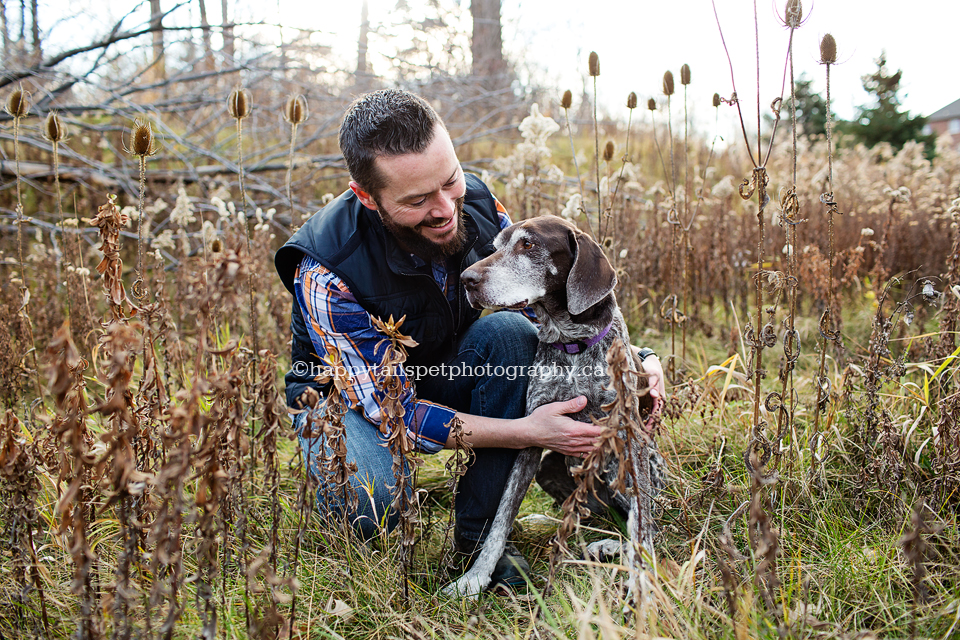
x=803, y=295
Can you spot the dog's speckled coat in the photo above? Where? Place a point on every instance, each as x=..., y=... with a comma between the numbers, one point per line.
x=562, y=274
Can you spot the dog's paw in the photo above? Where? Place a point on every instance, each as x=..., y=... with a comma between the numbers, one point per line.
x=632, y=603
x=469, y=585
x=604, y=550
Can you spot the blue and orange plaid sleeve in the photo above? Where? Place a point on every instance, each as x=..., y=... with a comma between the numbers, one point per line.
x=337, y=323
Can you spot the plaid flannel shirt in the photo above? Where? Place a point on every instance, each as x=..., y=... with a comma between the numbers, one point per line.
x=337, y=323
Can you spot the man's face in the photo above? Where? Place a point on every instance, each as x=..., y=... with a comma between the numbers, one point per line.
x=422, y=200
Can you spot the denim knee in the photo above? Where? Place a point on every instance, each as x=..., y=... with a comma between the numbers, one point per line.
x=504, y=338
x=372, y=482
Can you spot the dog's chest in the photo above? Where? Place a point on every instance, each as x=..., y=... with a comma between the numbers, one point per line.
x=558, y=377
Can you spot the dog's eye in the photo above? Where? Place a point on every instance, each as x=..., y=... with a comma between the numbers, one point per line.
x=526, y=244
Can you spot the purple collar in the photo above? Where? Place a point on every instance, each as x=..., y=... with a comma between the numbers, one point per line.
x=579, y=346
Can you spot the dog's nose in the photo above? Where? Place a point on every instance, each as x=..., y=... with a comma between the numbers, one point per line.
x=470, y=278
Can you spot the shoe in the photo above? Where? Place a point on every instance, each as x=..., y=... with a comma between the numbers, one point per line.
x=511, y=573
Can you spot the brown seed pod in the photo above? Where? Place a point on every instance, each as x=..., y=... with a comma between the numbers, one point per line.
x=828, y=50
x=608, y=151
x=793, y=14
x=238, y=104
x=652, y=104
x=142, y=143
x=216, y=246
x=594, y=64
x=567, y=100
x=685, y=74
x=668, y=83
x=53, y=129
x=17, y=105
x=296, y=110
x=716, y=99
x=632, y=101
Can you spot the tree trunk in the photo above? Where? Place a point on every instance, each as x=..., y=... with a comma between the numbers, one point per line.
x=489, y=67
x=228, y=44
x=363, y=68
x=159, y=71
x=6, y=33
x=35, y=33
x=205, y=29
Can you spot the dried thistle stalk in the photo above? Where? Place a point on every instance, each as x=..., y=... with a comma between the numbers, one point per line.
x=623, y=437
x=19, y=489
x=295, y=112
x=109, y=220
x=119, y=465
x=76, y=470
x=405, y=460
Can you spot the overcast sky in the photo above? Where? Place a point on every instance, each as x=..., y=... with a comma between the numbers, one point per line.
x=638, y=40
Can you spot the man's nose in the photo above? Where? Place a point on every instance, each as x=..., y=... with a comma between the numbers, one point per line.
x=446, y=206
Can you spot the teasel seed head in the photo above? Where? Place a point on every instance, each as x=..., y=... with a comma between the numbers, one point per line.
x=828, y=50
x=793, y=14
x=608, y=151
x=668, y=83
x=296, y=110
x=652, y=104
x=567, y=100
x=594, y=64
x=17, y=105
x=685, y=74
x=238, y=104
x=716, y=99
x=53, y=129
x=632, y=101
x=142, y=143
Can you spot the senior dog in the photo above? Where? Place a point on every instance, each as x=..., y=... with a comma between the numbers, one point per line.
x=562, y=274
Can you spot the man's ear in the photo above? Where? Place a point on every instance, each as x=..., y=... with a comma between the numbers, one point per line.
x=364, y=197
x=591, y=278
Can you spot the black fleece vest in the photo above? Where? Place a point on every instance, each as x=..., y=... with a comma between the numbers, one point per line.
x=349, y=240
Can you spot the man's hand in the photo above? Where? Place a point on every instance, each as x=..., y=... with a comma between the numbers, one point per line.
x=550, y=428
x=654, y=369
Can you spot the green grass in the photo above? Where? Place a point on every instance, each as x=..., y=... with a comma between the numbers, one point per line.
x=841, y=565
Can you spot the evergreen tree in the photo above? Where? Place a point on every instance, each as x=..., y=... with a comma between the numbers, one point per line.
x=884, y=121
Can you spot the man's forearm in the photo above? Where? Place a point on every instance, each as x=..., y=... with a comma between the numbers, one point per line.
x=481, y=432
x=549, y=427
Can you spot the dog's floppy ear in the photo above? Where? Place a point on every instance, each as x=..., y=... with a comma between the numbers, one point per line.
x=591, y=278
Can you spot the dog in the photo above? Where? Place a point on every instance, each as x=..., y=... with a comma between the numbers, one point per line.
x=548, y=264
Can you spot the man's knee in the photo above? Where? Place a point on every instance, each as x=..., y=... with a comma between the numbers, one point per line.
x=369, y=496
x=510, y=337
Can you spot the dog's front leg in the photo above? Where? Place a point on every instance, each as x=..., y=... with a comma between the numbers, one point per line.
x=641, y=529
x=471, y=583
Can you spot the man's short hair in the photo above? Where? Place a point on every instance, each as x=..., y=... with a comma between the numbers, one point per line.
x=388, y=122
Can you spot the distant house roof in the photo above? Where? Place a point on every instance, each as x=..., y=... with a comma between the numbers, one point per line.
x=949, y=112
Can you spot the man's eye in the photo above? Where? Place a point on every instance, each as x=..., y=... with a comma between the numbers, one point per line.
x=418, y=202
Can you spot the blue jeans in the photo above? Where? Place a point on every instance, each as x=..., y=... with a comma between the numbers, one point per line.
x=501, y=339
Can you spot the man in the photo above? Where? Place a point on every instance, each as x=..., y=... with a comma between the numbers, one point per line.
x=395, y=244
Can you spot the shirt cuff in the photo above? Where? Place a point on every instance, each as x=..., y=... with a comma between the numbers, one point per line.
x=428, y=425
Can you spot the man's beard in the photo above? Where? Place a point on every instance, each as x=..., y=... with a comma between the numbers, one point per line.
x=411, y=239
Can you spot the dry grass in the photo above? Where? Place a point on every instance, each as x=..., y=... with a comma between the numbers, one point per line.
x=151, y=487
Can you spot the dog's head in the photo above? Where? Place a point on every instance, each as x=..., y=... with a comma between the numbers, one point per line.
x=545, y=258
